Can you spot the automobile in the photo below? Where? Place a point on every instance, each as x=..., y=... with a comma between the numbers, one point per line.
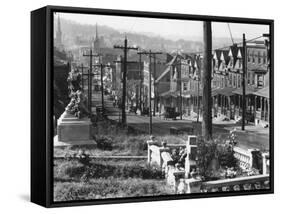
x=145, y=111
x=171, y=113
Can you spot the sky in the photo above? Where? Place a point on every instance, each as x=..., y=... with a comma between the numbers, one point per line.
x=168, y=28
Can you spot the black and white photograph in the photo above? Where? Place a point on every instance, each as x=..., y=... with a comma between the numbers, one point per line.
x=147, y=106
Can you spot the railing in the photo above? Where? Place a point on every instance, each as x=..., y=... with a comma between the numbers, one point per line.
x=236, y=184
x=258, y=115
x=178, y=177
x=244, y=157
x=258, y=182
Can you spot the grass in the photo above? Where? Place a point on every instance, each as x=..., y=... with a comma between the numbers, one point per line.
x=110, y=179
x=109, y=188
x=73, y=170
x=120, y=144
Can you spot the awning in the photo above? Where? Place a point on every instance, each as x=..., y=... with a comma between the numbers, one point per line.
x=166, y=94
x=264, y=92
x=248, y=91
x=223, y=91
x=185, y=94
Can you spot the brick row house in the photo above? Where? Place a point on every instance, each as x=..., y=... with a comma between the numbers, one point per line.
x=179, y=84
x=227, y=83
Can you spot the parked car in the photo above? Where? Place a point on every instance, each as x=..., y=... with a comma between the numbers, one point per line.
x=170, y=112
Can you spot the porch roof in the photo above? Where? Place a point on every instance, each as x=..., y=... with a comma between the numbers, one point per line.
x=185, y=94
x=249, y=90
x=264, y=92
x=227, y=91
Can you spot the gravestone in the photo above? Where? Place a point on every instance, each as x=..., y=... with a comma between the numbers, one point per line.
x=191, y=148
x=72, y=130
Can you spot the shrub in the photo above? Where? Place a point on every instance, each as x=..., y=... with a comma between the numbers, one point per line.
x=212, y=156
x=104, y=143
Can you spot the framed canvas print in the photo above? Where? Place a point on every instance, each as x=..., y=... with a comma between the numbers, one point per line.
x=134, y=106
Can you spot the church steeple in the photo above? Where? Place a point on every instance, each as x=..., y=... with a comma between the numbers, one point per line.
x=97, y=36
x=97, y=41
x=59, y=34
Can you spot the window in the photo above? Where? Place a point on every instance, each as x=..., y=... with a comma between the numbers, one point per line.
x=239, y=81
x=230, y=79
x=240, y=63
x=264, y=57
x=260, y=80
x=234, y=80
x=184, y=86
x=248, y=78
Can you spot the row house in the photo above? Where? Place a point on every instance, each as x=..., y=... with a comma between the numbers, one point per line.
x=181, y=83
x=227, y=83
x=181, y=88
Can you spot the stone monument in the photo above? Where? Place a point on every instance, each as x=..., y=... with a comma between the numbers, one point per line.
x=74, y=125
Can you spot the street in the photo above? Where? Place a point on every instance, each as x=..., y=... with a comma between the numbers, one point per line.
x=252, y=138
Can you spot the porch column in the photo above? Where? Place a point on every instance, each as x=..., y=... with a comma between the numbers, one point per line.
x=261, y=102
x=255, y=106
x=239, y=105
x=268, y=109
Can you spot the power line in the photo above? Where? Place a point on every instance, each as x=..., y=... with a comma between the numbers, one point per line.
x=230, y=33
x=150, y=53
x=227, y=46
x=126, y=48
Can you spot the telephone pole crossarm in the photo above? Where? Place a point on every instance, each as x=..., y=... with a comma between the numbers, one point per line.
x=150, y=54
x=125, y=48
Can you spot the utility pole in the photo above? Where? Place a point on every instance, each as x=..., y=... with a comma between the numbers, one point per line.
x=90, y=55
x=180, y=91
x=150, y=53
x=198, y=86
x=206, y=81
x=180, y=83
x=244, y=64
x=82, y=73
x=125, y=48
x=102, y=66
x=154, y=74
x=141, y=83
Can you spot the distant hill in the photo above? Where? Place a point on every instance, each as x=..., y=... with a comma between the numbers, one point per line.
x=84, y=33
x=76, y=34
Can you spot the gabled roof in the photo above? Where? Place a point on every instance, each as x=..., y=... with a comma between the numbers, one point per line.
x=240, y=53
x=224, y=56
x=217, y=54
x=166, y=71
x=233, y=51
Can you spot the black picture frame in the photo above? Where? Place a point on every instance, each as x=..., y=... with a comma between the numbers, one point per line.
x=41, y=103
